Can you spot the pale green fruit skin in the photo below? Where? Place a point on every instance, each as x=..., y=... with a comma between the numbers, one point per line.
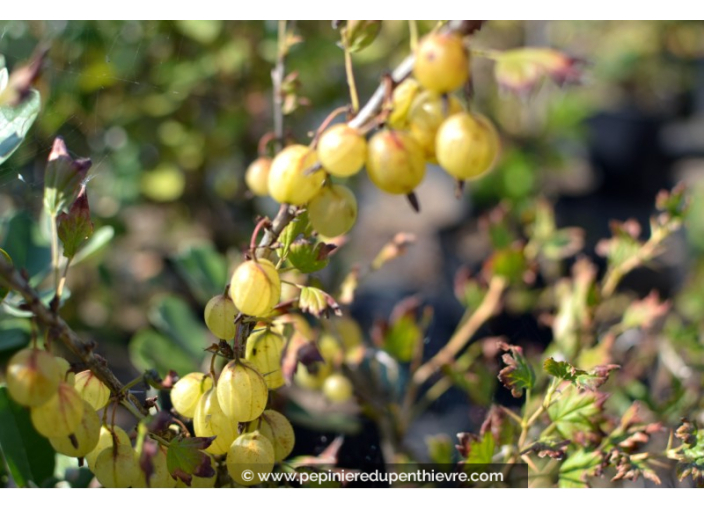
x=255, y=287
x=117, y=467
x=442, y=63
x=425, y=117
x=251, y=451
x=219, y=315
x=333, y=211
x=257, y=176
x=160, y=477
x=33, y=377
x=66, y=374
x=87, y=435
x=337, y=388
x=210, y=420
x=60, y=415
x=288, y=183
x=277, y=429
x=264, y=350
x=395, y=162
x=467, y=146
x=91, y=389
x=401, y=102
x=342, y=150
x=242, y=391
x=187, y=392
x=198, y=482
x=106, y=440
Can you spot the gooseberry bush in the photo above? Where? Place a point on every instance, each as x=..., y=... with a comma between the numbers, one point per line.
x=278, y=329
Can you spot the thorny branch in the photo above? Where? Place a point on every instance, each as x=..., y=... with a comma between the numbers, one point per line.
x=11, y=278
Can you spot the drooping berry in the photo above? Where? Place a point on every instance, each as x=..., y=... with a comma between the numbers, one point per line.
x=187, y=392
x=255, y=287
x=219, y=315
x=338, y=388
x=425, y=117
x=60, y=415
x=33, y=377
x=264, y=351
x=257, y=176
x=277, y=429
x=209, y=420
x=342, y=150
x=442, y=63
x=242, y=391
x=91, y=389
x=333, y=211
x=250, y=455
x=289, y=182
x=395, y=162
x=467, y=146
x=85, y=437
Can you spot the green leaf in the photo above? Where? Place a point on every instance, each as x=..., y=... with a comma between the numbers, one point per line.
x=4, y=291
x=518, y=374
x=21, y=237
x=14, y=334
x=29, y=456
x=299, y=227
x=204, y=270
x=401, y=338
x=185, y=458
x=572, y=410
x=174, y=318
x=15, y=123
x=522, y=69
x=99, y=240
x=481, y=450
x=580, y=378
x=151, y=350
x=308, y=257
x=317, y=302
x=75, y=227
x=577, y=467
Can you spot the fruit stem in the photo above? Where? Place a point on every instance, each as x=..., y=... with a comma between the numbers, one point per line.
x=55, y=256
x=413, y=32
x=350, y=78
x=277, y=78
x=331, y=116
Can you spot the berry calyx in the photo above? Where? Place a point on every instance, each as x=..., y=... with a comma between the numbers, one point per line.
x=333, y=211
x=257, y=176
x=255, y=287
x=342, y=150
x=395, y=162
x=467, y=146
x=442, y=63
x=219, y=315
x=242, y=391
x=33, y=377
x=289, y=182
x=85, y=437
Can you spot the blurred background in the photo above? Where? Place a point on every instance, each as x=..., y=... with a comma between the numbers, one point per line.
x=171, y=114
